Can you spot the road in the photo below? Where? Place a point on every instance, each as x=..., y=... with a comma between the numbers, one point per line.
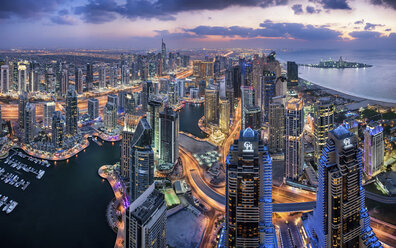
x=381, y=198
x=235, y=129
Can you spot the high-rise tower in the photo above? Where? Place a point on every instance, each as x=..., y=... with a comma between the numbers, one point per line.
x=294, y=139
x=71, y=112
x=373, y=148
x=169, y=136
x=249, y=193
x=324, y=121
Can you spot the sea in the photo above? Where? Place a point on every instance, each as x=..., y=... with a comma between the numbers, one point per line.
x=375, y=83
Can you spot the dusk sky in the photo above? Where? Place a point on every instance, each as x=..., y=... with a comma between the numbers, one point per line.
x=140, y=24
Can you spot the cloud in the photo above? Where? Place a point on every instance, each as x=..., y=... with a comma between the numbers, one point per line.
x=359, y=22
x=385, y=3
x=28, y=8
x=388, y=29
x=269, y=29
x=365, y=34
x=333, y=4
x=63, y=20
x=371, y=26
x=95, y=10
x=297, y=8
x=312, y=10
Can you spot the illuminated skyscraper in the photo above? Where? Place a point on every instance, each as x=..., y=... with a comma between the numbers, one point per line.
x=29, y=122
x=324, y=121
x=113, y=76
x=373, y=148
x=155, y=106
x=276, y=118
x=163, y=56
x=294, y=139
x=4, y=78
x=78, y=80
x=340, y=218
x=64, y=83
x=22, y=101
x=145, y=224
x=49, y=109
x=71, y=112
x=93, y=108
x=58, y=126
x=142, y=160
x=224, y=113
x=169, y=136
x=22, y=77
x=211, y=105
x=110, y=116
x=202, y=69
x=248, y=218
x=126, y=145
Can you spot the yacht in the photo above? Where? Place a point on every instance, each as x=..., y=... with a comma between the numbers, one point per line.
x=12, y=206
x=40, y=174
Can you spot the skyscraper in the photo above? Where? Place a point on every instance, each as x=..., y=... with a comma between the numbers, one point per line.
x=64, y=83
x=145, y=224
x=113, y=99
x=163, y=56
x=211, y=105
x=29, y=122
x=58, y=126
x=22, y=77
x=142, y=160
x=126, y=145
x=252, y=117
x=89, y=77
x=102, y=77
x=113, y=76
x=71, y=112
x=276, y=118
x=292, y=73
x=324, y=121
x=93, y=108
x=110, y=116
x=224, y=113
x=340, y=218
x=4, y=78
x=373, y=148
x=268, y=82
x=294, y=139
x=169, y=136
x=248, y=218
x=49, y=109
x=22, y=100
x=155, y=106
x=78, y=80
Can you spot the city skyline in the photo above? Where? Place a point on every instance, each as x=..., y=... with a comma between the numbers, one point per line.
x=140, y=24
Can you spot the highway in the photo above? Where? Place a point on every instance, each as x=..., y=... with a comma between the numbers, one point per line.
x=381, y=198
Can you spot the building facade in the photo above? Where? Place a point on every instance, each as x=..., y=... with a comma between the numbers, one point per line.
x=323, y=123
x=248, y=218
x=169, y=136
x=294, y=139
x=373, y=148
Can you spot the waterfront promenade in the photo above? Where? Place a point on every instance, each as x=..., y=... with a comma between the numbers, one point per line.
x=116, y=207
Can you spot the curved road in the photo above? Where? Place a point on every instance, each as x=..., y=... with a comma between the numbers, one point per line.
x=381, y=198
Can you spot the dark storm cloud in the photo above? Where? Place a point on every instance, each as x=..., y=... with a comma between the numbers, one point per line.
x=333, y=4
x=312, y=10
x=365, y=34
x=270, y=29
x=386, y=3
x=371, y=26
x=160, y=9
x=28, y=8
x=297, y=8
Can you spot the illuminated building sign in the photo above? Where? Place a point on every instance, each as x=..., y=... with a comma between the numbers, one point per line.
x=248, y=147
x=347, y=142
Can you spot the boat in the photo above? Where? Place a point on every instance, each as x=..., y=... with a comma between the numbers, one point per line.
x=40, y=174
x=11, y=207
x=5, y=207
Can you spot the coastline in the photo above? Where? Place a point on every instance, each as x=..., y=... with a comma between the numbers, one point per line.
x=359, y=100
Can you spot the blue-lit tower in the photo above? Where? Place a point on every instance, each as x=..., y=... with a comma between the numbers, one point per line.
x=248, y=220
x=340, y=218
